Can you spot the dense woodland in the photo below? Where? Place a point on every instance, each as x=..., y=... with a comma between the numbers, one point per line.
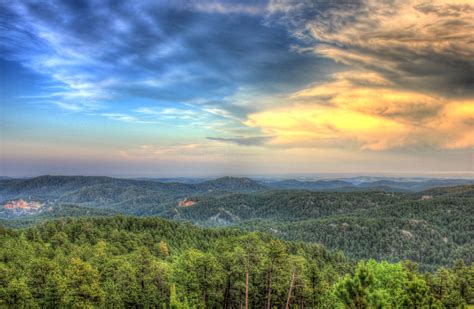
x=234, y=243
x=432, y=231
x=433, y=228
x=150, y=262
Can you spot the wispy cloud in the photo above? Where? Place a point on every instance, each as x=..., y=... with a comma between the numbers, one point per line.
x=120, y=117
x=99, y=53
x=69, y=106
x=243, y=140
x=416, y=44
x=170, y=113
x=227, y=7
x=367, y=113
x=408, y=67
x=287, y=74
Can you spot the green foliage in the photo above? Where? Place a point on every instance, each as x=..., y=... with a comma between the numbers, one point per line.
x=354, y=291
x=131, y=262
x=17, y=294
x=433, y=228
x=82, y=285
x=386, y=285
x=124, y=262
x=432, y=232
x=199, y=275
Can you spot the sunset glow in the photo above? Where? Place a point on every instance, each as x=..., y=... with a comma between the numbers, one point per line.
x=213, y=88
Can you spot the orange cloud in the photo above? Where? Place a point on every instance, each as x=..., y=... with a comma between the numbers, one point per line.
x=456, y=124
x=408, y=83
x=313, y=125
x=370, y=93
x=366, y=113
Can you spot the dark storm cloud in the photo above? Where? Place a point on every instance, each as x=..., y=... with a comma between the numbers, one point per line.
x=419, y=45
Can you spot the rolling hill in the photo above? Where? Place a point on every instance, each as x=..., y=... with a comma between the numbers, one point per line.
x=432, y=227
x=138, y=197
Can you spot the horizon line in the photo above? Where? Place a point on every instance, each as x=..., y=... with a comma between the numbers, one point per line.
x=319, y=176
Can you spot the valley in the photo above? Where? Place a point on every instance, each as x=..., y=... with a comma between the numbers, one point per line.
x=433, y=227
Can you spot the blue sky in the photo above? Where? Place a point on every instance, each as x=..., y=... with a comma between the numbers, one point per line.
x=159, y=88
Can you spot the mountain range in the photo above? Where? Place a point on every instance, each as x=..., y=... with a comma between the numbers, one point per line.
x=380, y=218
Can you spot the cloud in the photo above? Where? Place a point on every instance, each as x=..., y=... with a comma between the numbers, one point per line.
x=370, y=93
x=418, y=45
x=367, y=113
x=170, y=113
x=186, y=153
x=120, y=117
x=101, y=53
x=69, y=106
x=243, y=140
x=228, y=7
x=149, y=151
x=361, y=74
x=407, y=81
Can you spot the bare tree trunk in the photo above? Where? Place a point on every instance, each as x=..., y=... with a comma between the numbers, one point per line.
x=227, y=294
x=246, y=289
x=290, y=290
x=269, y=295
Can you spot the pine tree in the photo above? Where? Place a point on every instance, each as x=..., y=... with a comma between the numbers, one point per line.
x=354, y=291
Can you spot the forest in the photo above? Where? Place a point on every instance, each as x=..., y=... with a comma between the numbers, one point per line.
x=237, y=154
x=433, y=228
x=99, y=242
x=129, y=262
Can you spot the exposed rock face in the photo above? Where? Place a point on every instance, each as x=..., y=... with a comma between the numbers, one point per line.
x=22, y=207
x=406, y=234
x=22, y=204
x=186, y=203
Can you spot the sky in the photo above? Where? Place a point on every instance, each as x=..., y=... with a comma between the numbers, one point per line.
x=207, y=88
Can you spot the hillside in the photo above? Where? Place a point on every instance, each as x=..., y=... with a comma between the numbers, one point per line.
x=368, y=184
x=233, y=184
x=456, y=191
x=150, y=262
x=429, y=229
x=288, y=205
x=60, y=211
x=101, y=190
x=138, y=197
x=432, y=227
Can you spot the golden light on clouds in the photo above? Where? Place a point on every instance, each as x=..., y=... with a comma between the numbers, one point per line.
x=317, y=126
x=407, y=82
x=396, y=28
x=457, y=125
x=369, y=93
x=364, y=113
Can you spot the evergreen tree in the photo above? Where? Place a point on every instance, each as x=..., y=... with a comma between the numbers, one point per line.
x=354, y=291
x=82, y=285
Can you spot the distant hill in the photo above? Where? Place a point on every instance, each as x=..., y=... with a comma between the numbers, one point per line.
x=433, y=227
x=459, y=191
x=152, y=197
x=310, y=185
x=359, y=184
x=288, y=205
x=139, y=197
x=416, y=186
x=61, y=211
x=232, y=184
